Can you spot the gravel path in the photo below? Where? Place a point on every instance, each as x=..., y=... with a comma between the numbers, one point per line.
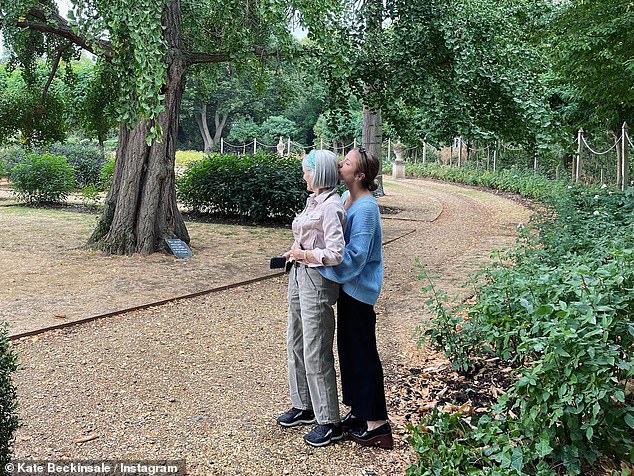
x=203, y=379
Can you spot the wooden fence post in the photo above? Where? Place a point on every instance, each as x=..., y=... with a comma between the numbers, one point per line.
x=577, y=164
x=459, y=151
x=624, y=160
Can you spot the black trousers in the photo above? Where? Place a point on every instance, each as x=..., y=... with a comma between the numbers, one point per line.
x=361, y=369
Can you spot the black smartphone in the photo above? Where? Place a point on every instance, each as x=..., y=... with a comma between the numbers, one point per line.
x=278, y=262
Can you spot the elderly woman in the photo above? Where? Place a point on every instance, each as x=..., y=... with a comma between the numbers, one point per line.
x=319, y=242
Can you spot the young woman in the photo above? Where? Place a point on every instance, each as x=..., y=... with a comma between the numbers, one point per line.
x=319, y=242
x=361, y=276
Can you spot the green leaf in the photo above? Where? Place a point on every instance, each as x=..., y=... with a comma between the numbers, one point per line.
x=543, y=447
x=517, y=459
x=629, y=419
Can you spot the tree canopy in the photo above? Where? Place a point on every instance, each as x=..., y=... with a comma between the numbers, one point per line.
x=592, y=52
x=150, y=44
x=464, y=68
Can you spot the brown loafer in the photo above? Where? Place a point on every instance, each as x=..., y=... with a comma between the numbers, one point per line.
x=381, y=437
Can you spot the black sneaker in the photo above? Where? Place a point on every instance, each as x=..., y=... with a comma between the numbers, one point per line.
x=295, y=417
x=323, y=435
x=351, y=422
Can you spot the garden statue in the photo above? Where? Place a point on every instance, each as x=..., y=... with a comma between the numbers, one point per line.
x=280, y=147
x=398, y=167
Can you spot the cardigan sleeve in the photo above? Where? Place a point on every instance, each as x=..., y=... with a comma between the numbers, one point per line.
x=362, y=228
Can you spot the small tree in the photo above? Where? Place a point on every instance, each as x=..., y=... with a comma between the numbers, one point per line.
x=276, y=126
x=243, y=130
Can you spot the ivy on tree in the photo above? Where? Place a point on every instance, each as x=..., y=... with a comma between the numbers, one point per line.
x=150, y=44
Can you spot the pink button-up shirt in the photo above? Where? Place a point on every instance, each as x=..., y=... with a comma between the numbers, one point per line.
x=320, y=228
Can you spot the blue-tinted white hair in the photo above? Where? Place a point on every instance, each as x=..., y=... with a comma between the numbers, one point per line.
x=322, y=164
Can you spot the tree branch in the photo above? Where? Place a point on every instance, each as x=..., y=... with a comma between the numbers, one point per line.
x=62, y=29
x=199, y=58
x=56, y=61
x=222, y=57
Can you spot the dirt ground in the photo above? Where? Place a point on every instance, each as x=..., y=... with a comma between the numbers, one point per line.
x=203, y=379
x=46, y=268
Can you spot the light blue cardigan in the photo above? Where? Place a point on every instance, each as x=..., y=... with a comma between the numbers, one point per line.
x=361, y=271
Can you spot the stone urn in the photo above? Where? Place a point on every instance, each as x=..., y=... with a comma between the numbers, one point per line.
x=398, y=167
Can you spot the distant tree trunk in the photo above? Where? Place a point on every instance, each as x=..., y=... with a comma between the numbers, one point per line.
x=140, y=209
x=220, y=120
x=201, y=120
x=373, y=140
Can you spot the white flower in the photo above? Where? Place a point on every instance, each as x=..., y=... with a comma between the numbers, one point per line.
x=520, y=226
x=596, y=197
x=595, y=213
x=605, y=185
x=569, y=186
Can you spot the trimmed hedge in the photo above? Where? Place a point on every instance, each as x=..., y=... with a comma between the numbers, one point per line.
x=256, y=188
x=42, y=179
x=522, y=182
x=8, y=399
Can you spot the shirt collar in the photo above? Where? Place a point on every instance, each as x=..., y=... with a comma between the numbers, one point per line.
x=321, y=198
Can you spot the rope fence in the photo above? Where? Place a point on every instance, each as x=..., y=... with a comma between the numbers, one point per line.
x=587, y=163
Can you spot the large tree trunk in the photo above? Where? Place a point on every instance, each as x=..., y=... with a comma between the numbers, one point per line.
x=201, y=120
x=373, y=140
x=140, y=209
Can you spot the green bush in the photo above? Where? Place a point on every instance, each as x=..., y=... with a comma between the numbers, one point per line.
x=10, y=156
x=106, y=174
x=256, y=188
x=42, y=179
x=8, y=399
x=86, y=159
x=244, y=130
x=522, y=182
x=561, y=315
